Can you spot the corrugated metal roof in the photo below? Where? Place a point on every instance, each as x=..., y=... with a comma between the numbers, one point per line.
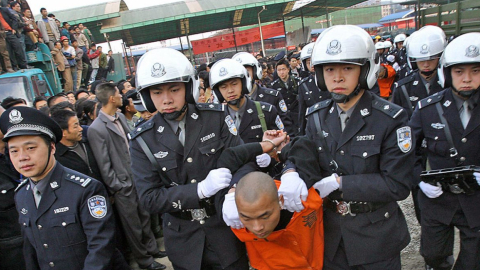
x=395, y=16
x=320, y=7
x=92, y=13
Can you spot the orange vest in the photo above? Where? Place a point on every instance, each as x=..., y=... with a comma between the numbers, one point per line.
x=386, y=83
x=298, y=246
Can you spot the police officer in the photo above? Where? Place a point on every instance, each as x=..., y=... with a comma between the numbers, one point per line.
x=449, y=121
x=66, y=217
x=259, y=93
x=424, y=50
x=287, y=84
x=174, y=163
x=399, y=51
x=364, y=151
x=231, y=83
x=308, y=92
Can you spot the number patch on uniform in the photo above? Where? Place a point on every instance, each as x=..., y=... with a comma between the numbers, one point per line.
x=279, y=122
x=97, y=206
x=282, y=105
x=404, y=139
x=231, y=125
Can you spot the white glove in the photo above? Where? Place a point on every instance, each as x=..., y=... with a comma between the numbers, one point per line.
x=431, y=191
x=216, y=180
x=327, y=185
x=230, y=212
x=263, y=160
x=391, y=58
x=396, y=66
x=477, y=176
x=294, y=191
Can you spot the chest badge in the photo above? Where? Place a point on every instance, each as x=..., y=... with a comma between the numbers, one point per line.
x=54, y=184
x=194, y=116
x=260, y=96
x=415, y=82
x=24, y=211
x=161, y=154
x=437, y=125
x=160, y=129
x=447, y=103
x=364, y=112
x=250, y=111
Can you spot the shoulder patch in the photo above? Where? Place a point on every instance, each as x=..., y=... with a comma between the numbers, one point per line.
x=25, y=181
x=386, y=107
x=266, y=107
x=409, y=78
x=79, y=179
x=140, y=129
x=437, y=97
x=320, y=105
x=211, y=107
x=271, y=92
x=274, y=82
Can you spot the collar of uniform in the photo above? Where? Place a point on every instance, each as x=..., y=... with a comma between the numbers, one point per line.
x=240, y=111
x=349, y=111
x=175, y=123
x=472, y=101
x=42, y=184
x=431, y=81
x=254, y=95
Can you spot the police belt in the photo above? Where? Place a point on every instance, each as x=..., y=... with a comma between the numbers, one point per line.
x=351, y=208
x=197, y=214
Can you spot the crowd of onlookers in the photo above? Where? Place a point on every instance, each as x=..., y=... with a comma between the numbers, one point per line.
x=78, y=59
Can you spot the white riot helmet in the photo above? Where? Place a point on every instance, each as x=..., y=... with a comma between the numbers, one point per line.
x=347, y=44
x=247, y=59
x=399, y=38
x=227, y=69
x=464, y=49
x=165, y=65
x=306, y=53
x=379, y=45
x=388, y=44
x=425, y=44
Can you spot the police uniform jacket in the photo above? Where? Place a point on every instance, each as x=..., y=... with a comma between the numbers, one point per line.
x=290, y=96
x=416, y=91
x=308, y=95
x=73, y=227
x=375, y=159
x=404, y=71
x=275, y=98
x=207, y=135
x=73, y=161
x=250, y=129
x=400, y=55
x=426, y=124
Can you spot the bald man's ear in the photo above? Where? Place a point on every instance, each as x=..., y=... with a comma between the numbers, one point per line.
x=280, y=201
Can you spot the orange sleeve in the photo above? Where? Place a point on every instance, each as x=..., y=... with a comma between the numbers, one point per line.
x=5, y=25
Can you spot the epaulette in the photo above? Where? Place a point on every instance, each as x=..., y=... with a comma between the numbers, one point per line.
x=140, y=129
x=405, y=80
x=437, y=97
x=304, y=80
x=21, y=184
x=272, y=92
x=266, y=107
x=211, y=107
x=274, y=82
x=81, y=180
x=318, y=106
x=386, y=107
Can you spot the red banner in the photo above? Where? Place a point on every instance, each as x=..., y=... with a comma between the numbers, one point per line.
x=242, y=37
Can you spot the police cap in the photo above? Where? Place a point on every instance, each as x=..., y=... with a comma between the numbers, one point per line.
x=22, y=121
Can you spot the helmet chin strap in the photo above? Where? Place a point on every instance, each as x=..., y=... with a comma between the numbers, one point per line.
x=341, y=98
x=465, y=94
x=428, y=73
x=236, y=102
x=174, y=115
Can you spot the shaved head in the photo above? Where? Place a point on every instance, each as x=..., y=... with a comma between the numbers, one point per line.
x=258, y=204
x=255, y=185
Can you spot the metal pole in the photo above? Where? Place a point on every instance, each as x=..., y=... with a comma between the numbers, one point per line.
x=260, y=27
x=181, y=45
x=126, y=57
x=234, y=39
x=188, y=44
x=108, y=41
x=417, y=18
x=285, y=32
x=326, y=14
x=133, y=59
x=303, y=27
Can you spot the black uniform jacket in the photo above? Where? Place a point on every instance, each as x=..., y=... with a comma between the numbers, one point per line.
x=275, y=98
x=73, y=161
x=375, y=158
x=73, y=227
x=250, y=128
x=290, y=96
x=207, y=135
x=308, y=95
x=415, y=90
x=426, y=124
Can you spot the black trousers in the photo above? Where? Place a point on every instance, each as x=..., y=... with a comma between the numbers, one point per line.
x=17, y=55
x=340, y=262
x=438, y=239
x=211, y=261
x=11, y=253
